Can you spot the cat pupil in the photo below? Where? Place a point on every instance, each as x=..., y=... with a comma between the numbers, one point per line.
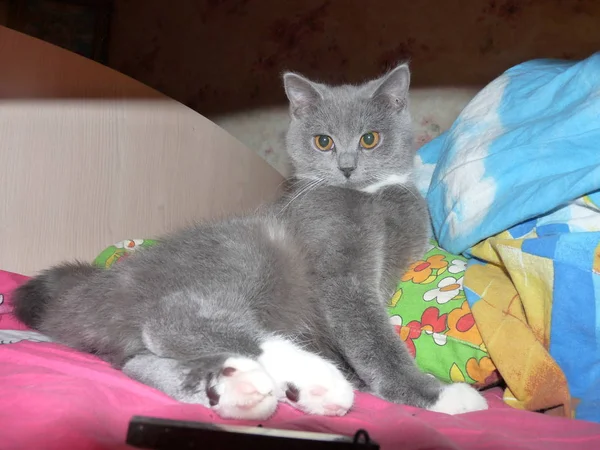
x=323, y=141
x=369, y=138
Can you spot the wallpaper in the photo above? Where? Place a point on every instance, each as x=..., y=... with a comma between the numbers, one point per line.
x=219, y=56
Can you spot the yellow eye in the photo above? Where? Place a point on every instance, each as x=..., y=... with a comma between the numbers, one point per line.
x=369, y=140
x=323, y=142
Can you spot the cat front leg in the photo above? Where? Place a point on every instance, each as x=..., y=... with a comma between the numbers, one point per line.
x=368, y=342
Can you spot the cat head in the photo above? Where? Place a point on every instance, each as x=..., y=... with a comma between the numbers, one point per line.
x=350, y=136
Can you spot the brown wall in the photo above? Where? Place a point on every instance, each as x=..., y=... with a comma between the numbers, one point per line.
x=3, y=12
x=224, y=55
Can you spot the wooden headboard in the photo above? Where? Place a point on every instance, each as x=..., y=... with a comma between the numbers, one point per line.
x=89, y=157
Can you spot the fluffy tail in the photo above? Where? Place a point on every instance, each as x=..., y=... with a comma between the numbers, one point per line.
x=32, y=299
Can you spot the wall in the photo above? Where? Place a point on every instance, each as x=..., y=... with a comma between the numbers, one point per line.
x=3, y=12
x=219, y=56
x=225, y=55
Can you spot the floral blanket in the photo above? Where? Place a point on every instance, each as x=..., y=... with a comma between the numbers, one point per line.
x=431, y=315
x=515, y=187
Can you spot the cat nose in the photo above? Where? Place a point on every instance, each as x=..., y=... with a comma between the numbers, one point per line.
x=347, y=171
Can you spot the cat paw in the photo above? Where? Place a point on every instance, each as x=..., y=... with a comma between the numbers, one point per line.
x=243, y=390
x=326, y=393
x=305, y=380
x=459, y=398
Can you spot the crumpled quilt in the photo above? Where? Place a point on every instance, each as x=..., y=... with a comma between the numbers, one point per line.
x=514, y=185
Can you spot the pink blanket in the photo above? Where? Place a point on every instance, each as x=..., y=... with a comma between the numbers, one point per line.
x=54, y=398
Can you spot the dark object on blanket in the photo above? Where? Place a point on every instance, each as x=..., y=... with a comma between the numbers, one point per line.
x=150, y=433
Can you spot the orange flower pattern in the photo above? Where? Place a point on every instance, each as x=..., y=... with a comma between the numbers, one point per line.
x=431, y=323
x=430, y=314
x=482, y=371
x=422, y=272
x=461, y=325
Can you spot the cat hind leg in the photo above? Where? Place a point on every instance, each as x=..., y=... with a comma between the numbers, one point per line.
x=305, y=380
x=234, y=386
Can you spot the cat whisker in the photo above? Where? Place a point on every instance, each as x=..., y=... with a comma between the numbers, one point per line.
x=291, y=184
x=313, y=184
x=300, y=192
x=410, y=192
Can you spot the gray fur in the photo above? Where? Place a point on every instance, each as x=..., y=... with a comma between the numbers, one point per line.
x=317, y=266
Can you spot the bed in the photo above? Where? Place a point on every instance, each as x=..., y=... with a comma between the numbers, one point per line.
x=89, y=158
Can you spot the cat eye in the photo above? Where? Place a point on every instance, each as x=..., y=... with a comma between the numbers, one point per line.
x=323, y=142
x=369, y=140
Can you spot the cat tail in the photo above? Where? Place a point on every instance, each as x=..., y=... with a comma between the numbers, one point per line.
x=31, y=300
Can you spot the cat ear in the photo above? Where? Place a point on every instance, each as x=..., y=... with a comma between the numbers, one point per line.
x=393, y=87
x=301, y=93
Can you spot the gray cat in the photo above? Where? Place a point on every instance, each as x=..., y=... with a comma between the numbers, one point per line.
x=287, y=304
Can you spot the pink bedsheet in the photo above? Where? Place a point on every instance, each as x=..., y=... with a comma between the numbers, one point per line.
x=53, y=397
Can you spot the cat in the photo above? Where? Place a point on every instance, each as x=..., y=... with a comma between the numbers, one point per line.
x=283, y=305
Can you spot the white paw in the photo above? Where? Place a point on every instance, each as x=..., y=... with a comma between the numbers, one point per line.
x=243, y=390
x=459, y=398
x=305, y=380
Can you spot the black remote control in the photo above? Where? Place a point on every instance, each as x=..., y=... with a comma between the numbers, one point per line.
x=162, y=434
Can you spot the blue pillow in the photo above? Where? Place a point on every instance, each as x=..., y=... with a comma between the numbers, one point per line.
x=526, y=145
